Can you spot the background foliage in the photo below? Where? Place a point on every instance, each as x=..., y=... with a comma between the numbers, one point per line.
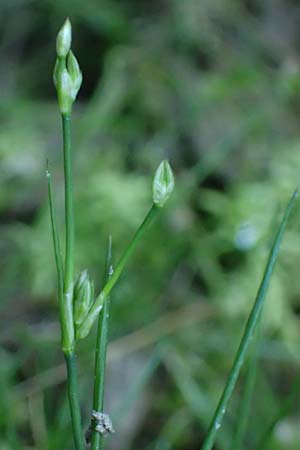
x=213, y=86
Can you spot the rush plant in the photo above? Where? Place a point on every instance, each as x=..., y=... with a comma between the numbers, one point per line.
x=79, y=306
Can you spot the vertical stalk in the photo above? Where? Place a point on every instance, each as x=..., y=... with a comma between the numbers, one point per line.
x=100, y=355
x=69, y=207
x=69, y=352
x=73, y=400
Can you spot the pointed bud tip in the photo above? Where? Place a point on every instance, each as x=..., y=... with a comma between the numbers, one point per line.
x=63, y=40
x=163, y=184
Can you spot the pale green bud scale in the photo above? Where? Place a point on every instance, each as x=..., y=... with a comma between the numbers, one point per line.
x=63, y=40
x=75, y=73
x=83, y=297
x=64, y=91
x=163, y=184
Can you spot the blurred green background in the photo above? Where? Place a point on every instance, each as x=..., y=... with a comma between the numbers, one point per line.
x=213, y=86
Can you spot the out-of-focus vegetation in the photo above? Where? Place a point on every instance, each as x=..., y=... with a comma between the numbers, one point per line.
x=213, y=86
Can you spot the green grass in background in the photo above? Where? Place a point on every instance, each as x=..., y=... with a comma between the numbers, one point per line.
x=212, y=86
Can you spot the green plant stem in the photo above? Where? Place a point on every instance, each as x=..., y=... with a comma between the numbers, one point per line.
x=100, y=355
x=70, y=359
x=96, y=308
x=68, y=323
x=244, y=410
x=69, y=221
x=248, y=333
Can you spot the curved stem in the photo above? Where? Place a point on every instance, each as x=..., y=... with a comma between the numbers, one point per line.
x=74, y=401
x=96, y=308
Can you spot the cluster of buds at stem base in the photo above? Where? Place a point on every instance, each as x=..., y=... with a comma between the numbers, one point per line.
x=67, y=75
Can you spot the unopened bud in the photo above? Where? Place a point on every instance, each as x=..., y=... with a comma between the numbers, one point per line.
x=64, y=87
x=67, y=75
x=163, y=184
x=75, y=73
x=83, y=297
x=63, y=40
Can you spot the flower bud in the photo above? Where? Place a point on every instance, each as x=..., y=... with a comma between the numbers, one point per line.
x=163, y=184
x=64, y=86
x=75, y=73
x=63, y=40
x=67, y=76
x=83, y=297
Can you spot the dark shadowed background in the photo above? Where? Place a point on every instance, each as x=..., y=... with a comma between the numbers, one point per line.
x=213, y=86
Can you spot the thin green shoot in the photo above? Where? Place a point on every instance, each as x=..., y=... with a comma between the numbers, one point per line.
x=100, y=353
x=69, y=223
x=55, y=236
x=70, y=359
x=248, y=332
x=97, y=306
x=65, y=323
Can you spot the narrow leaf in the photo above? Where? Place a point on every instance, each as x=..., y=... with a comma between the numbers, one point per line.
x=249, y=331
x=55, y=235
x=101, y=350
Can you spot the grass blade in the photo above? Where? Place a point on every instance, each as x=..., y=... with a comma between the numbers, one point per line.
x=101, y=350
x=249, y=331
x=55, y=237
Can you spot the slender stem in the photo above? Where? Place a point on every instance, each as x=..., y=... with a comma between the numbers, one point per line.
x=96, y=308
x=244, y=410
x=69, y=212
x=73, y=401
x=100, y=355
x=68, y=322
x=248, y=333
